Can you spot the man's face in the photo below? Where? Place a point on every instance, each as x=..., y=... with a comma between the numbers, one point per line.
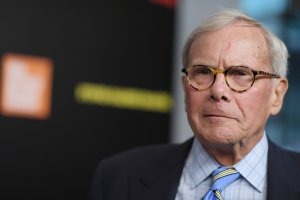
x=219, y=115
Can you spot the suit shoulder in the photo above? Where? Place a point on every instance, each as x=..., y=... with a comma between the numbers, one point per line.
x=114, y=172
x=144, y=154
x=280, y=153
x=146, y=157
x=295, y=157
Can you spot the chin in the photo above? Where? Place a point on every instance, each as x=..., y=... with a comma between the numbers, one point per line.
x=219, y=138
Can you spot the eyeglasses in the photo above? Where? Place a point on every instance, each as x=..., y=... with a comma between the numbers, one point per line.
x=238, y=78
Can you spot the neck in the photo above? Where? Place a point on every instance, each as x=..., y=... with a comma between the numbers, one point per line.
x=230, y=154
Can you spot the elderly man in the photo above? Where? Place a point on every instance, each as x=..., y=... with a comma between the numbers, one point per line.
x=234, y=79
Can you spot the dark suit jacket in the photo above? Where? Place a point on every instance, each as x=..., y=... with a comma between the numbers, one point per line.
x=154, y=172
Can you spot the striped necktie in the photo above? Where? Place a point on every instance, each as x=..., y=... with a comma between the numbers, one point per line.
x=222, y=177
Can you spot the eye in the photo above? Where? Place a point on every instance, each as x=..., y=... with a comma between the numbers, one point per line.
x=240, y=71
x=201, y=69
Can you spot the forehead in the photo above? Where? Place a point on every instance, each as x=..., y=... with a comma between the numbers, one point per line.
x=232, y=43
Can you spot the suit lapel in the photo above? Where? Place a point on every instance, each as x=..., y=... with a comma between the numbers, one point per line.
x=283, y=175
x=160, y=183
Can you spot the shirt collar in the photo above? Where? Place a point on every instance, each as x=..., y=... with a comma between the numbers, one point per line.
x=253, y=167
x=199, y=164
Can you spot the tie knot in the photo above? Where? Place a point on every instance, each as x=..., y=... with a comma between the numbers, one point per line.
x=223, y=176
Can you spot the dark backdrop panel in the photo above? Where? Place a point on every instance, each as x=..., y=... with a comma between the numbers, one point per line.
x=124, y=43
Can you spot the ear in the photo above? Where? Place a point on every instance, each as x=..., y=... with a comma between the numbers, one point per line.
x=184, y=85
x=184, y=82
x=280, y=89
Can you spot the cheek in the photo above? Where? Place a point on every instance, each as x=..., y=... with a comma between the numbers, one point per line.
x=255, y=105
x=194, y=101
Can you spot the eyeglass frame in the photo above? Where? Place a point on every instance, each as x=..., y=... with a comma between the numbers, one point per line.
x=218, y=71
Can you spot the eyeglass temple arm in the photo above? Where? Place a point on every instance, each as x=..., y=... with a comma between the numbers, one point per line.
x=184, y=70
x=266, y=74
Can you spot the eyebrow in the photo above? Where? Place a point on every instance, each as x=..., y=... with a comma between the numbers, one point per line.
x=225, y=67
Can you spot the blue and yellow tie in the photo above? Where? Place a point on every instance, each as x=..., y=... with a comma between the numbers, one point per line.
x=222, y=177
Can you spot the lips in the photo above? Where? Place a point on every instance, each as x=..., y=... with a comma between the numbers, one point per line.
x=219, y=113
x=218, y=116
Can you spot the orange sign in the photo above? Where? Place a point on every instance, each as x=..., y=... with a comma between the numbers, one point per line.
x=26, y=85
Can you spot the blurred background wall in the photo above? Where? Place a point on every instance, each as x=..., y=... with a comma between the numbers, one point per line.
x=83, y=80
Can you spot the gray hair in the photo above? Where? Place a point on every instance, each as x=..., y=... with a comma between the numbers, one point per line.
x=278, y=53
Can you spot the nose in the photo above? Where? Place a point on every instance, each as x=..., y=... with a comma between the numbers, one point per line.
x=220, y=90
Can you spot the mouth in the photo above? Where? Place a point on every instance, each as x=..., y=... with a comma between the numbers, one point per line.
x=217, y=116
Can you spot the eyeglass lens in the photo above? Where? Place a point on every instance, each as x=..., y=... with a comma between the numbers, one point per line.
x=237, y=78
